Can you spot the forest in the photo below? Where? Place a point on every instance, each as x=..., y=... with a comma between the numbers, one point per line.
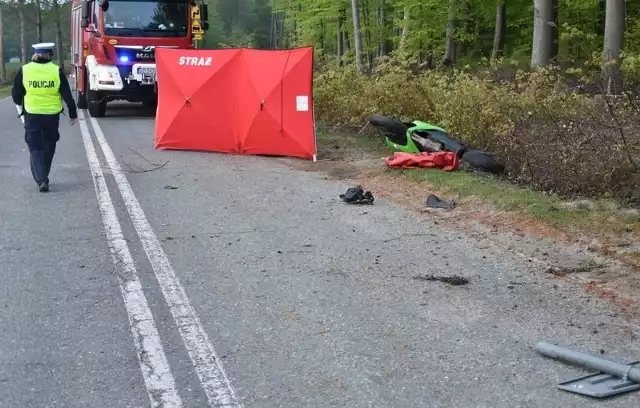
x=548, y=86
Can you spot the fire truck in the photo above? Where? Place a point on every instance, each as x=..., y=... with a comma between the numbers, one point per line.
x=113, y=45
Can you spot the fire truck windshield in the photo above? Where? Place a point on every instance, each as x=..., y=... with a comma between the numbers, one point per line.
x=146, y=18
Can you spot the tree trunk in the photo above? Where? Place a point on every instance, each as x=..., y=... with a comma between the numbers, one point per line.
x=3, y=71
x=281, y=30
x=367, y=34
x=23, y=32
x=340, y=40
x=555, y=32
x=357, y=36
x=382, y=29
x=405, y=26
x=600, y=18
x=344, y=32
x=323, y=45
x=39, y=20
x=427, y=56
x=347, y=40
x=294, y=32
x=450, y=42
x=613, y=40
x=462, y=47
x=273, y=36
x=477, y=39
x=545, y=43
x=59, y=47
x=501, y=28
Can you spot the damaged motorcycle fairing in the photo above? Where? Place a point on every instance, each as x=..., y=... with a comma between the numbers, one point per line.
x=419, y=136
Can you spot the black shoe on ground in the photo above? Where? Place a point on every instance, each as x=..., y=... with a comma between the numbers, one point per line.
x=44, y=187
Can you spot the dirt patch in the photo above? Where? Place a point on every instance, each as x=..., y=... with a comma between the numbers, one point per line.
x=623, y=302
x=340, y=163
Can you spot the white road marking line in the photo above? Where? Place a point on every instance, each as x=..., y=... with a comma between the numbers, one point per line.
x=217, y=387
x=156, y=372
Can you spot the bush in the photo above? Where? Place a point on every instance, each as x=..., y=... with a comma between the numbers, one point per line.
x=548, y=136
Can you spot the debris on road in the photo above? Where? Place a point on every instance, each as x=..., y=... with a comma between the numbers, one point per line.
x=434, y=202
x=357, y=195
x=133, y=168
x=613, y=378
x=453, y=280
x=584, y=267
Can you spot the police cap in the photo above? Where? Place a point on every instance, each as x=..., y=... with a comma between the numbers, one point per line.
x=43, y=48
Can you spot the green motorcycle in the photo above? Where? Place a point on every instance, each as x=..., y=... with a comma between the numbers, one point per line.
x=418, y=136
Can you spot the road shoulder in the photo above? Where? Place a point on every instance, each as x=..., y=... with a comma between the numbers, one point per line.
x=599, y=252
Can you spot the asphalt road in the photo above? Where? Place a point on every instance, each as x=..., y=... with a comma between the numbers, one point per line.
x=187, y=279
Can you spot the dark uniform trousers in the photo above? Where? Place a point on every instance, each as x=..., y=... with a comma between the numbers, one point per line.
x=41, y=135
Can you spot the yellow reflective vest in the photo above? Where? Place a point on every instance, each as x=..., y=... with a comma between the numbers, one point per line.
x=42, y=85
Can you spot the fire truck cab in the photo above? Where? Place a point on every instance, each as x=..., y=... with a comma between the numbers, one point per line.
x=113, y=45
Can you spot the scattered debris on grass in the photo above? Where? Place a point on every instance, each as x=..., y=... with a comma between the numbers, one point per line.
x=434, y=202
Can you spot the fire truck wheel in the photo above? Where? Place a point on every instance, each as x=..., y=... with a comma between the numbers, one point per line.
x=81, y=100
x=150, y=103
x=97, y=107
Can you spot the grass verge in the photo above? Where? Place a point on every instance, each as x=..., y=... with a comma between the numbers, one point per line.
x=5, y=90
x=571, y=216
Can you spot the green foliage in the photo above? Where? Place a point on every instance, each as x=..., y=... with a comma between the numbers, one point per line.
x=12, y=25
x=12, y=70
x=4, y=91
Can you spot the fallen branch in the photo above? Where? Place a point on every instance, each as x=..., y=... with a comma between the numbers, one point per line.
x=155, y=166
x=363, y=128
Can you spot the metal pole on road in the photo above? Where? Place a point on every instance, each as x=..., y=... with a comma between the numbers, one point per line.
x=589, y=361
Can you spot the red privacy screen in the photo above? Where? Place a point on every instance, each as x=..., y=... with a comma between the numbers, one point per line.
x=240, y=101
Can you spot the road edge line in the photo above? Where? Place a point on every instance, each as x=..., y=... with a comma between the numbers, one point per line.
x=213, y=379
x=155, y=367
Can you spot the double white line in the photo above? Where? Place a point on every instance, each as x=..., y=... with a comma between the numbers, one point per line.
x=156, y=371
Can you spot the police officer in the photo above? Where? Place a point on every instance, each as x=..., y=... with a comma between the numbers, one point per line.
x=39, y=88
